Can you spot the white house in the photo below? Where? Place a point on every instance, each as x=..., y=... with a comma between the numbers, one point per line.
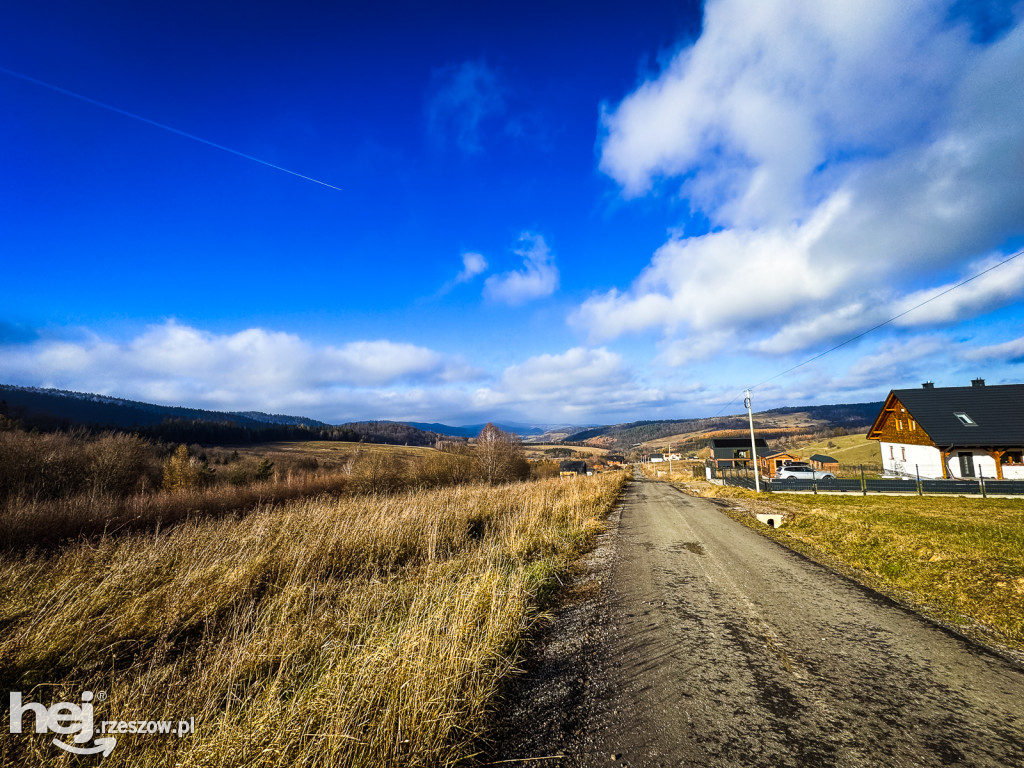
x=953, y=432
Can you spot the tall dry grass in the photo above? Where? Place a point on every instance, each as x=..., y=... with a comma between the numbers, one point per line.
x=28, y=521
x=368, y=631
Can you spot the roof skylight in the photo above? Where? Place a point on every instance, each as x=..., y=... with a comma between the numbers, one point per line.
x=966, y=420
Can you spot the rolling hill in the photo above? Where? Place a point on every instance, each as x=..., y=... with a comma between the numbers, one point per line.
x=694, y=433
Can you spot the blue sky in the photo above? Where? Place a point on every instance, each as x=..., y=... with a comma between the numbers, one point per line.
x=557, y=212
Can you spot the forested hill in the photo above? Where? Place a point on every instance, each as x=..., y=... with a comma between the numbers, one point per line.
x=50, y=409
x=850, y=416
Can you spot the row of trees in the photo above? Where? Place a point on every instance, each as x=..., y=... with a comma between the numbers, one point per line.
x=63, y=464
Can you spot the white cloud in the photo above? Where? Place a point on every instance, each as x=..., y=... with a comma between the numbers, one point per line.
x=538, y=277
x=773, y=91
x=473, y=264
x=570, y=386
x=1008, y=352
x=463, y=97
x=844, y=153
x=254, y=368
x=258, y=369
x=1002, y=286
x=895, y=360
x=702, y=346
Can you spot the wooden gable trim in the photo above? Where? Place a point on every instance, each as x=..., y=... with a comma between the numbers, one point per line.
x=896, y=424
x=887, y=407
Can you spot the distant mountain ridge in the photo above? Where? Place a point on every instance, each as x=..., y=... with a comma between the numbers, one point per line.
x=88, y=408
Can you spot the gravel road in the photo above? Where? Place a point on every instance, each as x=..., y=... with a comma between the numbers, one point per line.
x=696, y=642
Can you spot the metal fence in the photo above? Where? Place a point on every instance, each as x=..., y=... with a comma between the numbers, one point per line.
x=865, y=484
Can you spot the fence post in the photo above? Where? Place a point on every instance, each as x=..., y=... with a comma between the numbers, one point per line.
x=920, y=488
x=981, y=482
x=863, y=481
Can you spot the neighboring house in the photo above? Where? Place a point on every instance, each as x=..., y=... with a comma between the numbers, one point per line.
x=953, y=431
x=569, y=468
x=615, y=459
x=770, y=463
x=728, y=452
x=656, y=458
x=824, y=463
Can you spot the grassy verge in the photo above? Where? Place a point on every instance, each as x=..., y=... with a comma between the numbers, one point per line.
x=369, y=631
x=958, y=559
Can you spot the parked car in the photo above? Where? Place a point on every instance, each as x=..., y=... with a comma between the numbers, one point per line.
x=801, y=472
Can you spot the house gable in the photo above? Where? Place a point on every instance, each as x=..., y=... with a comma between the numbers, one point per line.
x=896, y=424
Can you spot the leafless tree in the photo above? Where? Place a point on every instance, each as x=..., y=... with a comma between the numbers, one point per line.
x=500, y=455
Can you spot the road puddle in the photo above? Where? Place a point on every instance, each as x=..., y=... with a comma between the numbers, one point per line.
x=689, y=546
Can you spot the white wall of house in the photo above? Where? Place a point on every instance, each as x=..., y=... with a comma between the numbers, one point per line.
x=983, y=463
x=1013, y=472
x=902, y=459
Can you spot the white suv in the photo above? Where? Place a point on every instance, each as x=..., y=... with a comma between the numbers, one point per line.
x=801, y=472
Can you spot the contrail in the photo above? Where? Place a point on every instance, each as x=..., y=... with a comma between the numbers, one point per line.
x=161, y=125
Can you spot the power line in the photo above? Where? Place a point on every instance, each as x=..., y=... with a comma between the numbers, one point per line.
x=880, y=325
x=161, y=125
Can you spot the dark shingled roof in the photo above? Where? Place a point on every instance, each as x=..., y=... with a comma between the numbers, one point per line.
x=998, y=412
x=824, y=459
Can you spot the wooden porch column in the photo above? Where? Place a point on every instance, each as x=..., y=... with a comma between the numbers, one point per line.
x=998, y=456
x=945, y=470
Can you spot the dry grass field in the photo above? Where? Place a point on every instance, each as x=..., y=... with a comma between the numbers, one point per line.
x=360, y=631
x=959, y=559
x=791, y=425
x=850, y=450
x=326, y=450
x=538, y=452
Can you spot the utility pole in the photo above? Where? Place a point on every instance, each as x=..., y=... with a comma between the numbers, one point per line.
x=753, y=446
x=670, y=461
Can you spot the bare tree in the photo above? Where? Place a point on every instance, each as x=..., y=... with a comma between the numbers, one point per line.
x=500, y=455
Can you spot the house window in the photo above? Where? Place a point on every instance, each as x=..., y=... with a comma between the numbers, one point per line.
x=913, y=424
x=899, y=425
x=891, y=454
x=966, y=420
x=1012, y=457
x=903, y=453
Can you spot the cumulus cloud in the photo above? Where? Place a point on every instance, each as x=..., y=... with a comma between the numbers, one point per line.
x=463, y=97
x=277, y=372
x=473, y=264
x=537, y=278
x=575, y=384
x=253, y=368
x=845, y=154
